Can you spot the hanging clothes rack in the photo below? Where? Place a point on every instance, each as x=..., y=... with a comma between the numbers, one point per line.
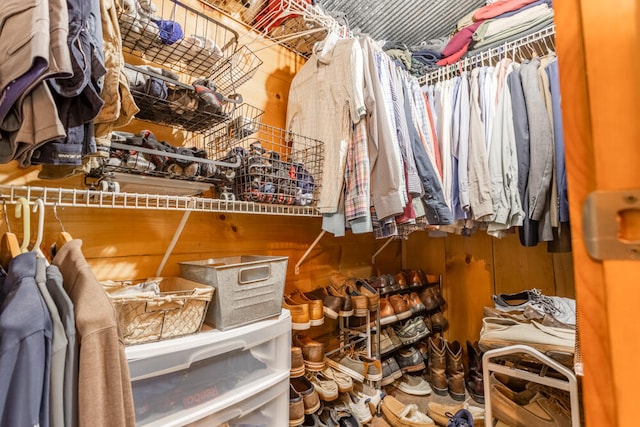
x=539, y=42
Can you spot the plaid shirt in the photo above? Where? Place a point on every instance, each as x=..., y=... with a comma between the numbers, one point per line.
x=357, y=175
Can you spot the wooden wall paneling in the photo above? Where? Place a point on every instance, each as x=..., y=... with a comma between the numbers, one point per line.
x=425, y=252
x=468, y=284
x=518, y=268
x=613, y=95
x=563, y=274
x=600, y=393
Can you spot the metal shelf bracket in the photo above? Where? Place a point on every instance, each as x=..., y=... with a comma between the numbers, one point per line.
x=373, y=258
x=309, y=249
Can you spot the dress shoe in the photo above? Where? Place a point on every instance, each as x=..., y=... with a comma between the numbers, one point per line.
x=401, y=280
x=438, y=366
x=316, y=310
x=299, y=315
x=332, y=305
x=455, y=370
x=400, y=307
x=415, y=303
x=430, y=298
x=347, y=304
x=309, y=395
x=438, y=322
x=371, y=294
x=387, y=313
x=297, y=363
x=390, y=371
x=416, y=278
x=410, y=360
x=381, y=285
x=296, y=407
x=348, y=286
x=474, y=381
x=393, y=283
x=312, y=352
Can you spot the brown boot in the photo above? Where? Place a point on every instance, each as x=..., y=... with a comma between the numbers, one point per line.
x=438, y=366
x=474, y=380
x=455, y=370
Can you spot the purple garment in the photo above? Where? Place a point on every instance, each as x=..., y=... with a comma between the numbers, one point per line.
x=461, y=39
x=16, y=88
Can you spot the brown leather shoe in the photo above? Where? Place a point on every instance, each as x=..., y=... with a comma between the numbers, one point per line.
x=474, y=380
x=438, y=366
x=299, y=315
x=429, y=299
x=331, y=305
x=371, y=294
x=309, y=395
x=387, y=313
x=316, y=309
x=401, y=279
x=312, y=352
x=415, y=303
x=400, y=307
x=360, y=302
x=297, y=363
x=438, y=322
x=415, y=278
x=347, y=304
x=296, y=407
x=455, y=370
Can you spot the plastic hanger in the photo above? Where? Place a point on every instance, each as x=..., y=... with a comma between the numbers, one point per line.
x=39, y=207
x=9, y=245
x=63, y=237
x=22, y=210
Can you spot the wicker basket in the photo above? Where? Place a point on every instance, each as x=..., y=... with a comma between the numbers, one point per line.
x=177, y=310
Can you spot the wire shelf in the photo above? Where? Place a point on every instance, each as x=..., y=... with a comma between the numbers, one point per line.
x=175, y=35
x=88, y=198
x=277, y=166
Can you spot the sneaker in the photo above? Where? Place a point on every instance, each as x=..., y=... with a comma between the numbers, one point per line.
x=357, y=406
x=399, y=414
x=386, y=345
x=390, y=371
x=410, y=360
x=326, y=387
x=414, y=385
x=412, y=331
x=357, y=369
x=500, y=332
x=328, y=417
x=343, y=381
x=562, y=309
x=441, y=412
x=462, y=418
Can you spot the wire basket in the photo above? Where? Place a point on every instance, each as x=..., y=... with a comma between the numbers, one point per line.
x=277, y=166
x=178, y=36
x=162, y=99
x=236, y=70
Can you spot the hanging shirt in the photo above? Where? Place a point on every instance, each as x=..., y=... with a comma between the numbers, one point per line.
x=478, y=164
x=328, y=89
x=25, y=347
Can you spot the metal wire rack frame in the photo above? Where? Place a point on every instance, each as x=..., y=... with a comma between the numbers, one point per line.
x=85, y=198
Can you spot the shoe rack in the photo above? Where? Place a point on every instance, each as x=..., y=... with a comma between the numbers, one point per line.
x=567, y=381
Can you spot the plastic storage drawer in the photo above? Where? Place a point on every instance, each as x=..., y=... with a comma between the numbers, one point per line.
x=269, y=408
x=182, y=380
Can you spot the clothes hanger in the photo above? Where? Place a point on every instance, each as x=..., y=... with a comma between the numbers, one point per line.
x=9, y=245
x=39, y=207
x=22, y=210
x=63, y=237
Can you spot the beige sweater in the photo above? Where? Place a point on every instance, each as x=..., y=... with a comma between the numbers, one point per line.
x=104, y=388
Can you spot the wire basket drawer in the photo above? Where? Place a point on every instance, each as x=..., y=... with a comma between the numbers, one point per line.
x=277, y=166
x=171, y=33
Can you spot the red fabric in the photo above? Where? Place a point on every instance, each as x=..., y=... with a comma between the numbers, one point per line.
x=434, y=136
x=498, y=8
x=452, y=59
x=460, y=39
x=272, y=14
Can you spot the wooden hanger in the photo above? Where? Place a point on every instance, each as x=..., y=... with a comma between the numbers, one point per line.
x=63, y=237
x=9, y=245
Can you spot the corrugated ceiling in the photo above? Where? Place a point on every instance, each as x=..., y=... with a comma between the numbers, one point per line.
x=406, y=21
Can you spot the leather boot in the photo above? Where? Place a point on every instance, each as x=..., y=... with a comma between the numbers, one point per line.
x=438, y=366
x=455, y=370
x=474, y=380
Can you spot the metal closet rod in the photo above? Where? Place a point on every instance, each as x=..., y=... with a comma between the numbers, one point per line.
x=479, y=58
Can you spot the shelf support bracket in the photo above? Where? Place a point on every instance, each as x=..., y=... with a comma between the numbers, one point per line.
x=389, y=240
x=174, y=240
x=306, y=254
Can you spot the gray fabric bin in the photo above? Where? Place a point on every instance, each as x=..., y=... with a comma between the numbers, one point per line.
x=248, y=288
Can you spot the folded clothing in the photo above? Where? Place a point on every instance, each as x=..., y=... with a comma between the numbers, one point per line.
x=492, y=10
x=492, y=27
